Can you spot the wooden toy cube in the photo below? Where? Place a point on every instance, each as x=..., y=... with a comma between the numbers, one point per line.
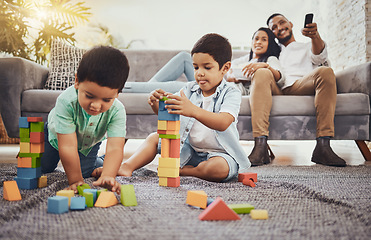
x=168, y=172
x=24, y=133
x=174, y=148
x=24, y=147
x=37, y=127
x=37, y=137
x=42, y=182
x=89, y=199
x=173, y=182
x=259, y=214
x=128, y=197
x=23, y=123
x=81, y=188
x=26, y=183
x=37, y=147
x=66, y=193
x=57, y=204
x=78, y=203
x=11, y=191
x=197, y=199
x=94, y=192
x=165, y=148
x=168, y=162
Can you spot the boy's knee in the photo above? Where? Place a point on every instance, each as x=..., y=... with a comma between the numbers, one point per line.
x=218, y=169
x=153, y=137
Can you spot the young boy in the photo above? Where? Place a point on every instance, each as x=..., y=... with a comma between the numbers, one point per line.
x=209, y=107
x=83, y=115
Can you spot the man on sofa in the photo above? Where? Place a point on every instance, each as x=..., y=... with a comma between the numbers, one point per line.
x=306, y=71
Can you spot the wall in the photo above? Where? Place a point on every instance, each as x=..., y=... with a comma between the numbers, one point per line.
x=346, y=27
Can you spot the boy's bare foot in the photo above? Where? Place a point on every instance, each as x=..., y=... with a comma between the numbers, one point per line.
x=97, y=172
x=124, y=170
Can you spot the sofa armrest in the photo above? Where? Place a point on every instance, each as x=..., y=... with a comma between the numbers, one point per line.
x=356, y=79
x=17, y=75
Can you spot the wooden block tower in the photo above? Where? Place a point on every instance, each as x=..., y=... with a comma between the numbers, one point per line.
x=169, y=162
x=31, y=133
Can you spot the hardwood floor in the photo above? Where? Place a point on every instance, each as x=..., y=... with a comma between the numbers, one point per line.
x=294, y=153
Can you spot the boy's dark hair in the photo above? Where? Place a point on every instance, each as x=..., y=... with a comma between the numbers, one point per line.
x=274, y=15
x=216, y=46
x=106, y=66
x=273, y=48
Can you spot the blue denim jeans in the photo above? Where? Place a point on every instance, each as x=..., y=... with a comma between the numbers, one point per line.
x=50, y=158
x=179, y=64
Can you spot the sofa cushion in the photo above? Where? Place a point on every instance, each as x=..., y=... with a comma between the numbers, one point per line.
x=64, y=60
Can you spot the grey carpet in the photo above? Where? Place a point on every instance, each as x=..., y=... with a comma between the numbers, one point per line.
x=315, y=202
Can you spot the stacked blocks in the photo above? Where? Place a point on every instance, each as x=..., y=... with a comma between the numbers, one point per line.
x=31, y=133
x=169, y=162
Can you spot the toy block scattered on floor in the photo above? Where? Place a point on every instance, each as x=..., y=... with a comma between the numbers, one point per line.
x=259, y=214
x=241, y=208
x=218, y=210
x=89, y=199
x=66, y=193
x=197, y=199
x=248, y=179
x=11, y=191
x=42, y=182
x=128, y=197
x=78, y=203
x=81, y=188
x=248, y=182
x=100, y=191
x=94, y=192
x=106, y=199
x=57, y=204
x=26, y=183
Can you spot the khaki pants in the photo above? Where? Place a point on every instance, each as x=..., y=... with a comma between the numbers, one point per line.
x=321, y=83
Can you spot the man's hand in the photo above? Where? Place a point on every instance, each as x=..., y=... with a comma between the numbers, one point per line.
x=73, y=186
x=310, y=31
x=108, y=182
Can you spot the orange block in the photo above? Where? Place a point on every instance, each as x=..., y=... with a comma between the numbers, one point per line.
x=173, y=125
x=42, y=182
x=36, y=137
x=25, y=162
x=106, y=199
x=165, y=147
x=174, y=148
x=197, y=199
x=11, y=191
x=169, y=132
x=248, y=175
x=34, y=119
x=37, y=147
x=218, y=210
x=173, y=182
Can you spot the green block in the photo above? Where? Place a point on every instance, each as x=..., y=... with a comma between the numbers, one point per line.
x=89, y=199
x=81, y=188
x=36, y=162
x=24, y=133
x=164, y=98
x=31, y=155
x=25, y=140
x=37, y=126
x=128, y=197
x=101, y=190
x=169, y=136
x=241, y=208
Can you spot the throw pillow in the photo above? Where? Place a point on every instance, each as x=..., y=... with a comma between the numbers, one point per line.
x=64, y=60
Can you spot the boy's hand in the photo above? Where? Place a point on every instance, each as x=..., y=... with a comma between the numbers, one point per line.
x=155, y=96
x=73, y=186
x=108, y=182
x=180, y=105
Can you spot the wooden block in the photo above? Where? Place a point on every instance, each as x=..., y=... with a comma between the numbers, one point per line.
x=167, y=132
x=162, y=181
x=174, y=148
x=66, y=193
x=197, y=199
x=24, y=147
x=106, y=199
x=89, y=199
x=26, y=183
x=24, y=133
x=34, y=119
x=241, y=208
x=23, y=123
x=100, y=191
x=248, y=182
x=168, y=162
x=37, y=137
x=11, y=191
x=37, y=127
x=173, y=125
x=28, y=162
x=37, y=147
x=94, y=192
x=81, y=188
x=173, y=182
x=25, y=140
x=165, y=148
x=42, y=182
x=36, y=155
x=57, y=204
x=168, y=172
x=161, y=125
x=163, y=113
x=253, y=176
x=259, y=214
x=128, y=197
x=218, y=210
x=169, y=136
x=78, y=203
x=29, y=172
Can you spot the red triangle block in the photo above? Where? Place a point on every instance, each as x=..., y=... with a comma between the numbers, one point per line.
x=218, y=210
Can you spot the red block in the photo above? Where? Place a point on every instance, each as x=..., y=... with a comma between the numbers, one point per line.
x=173, y=182
x=34, y=119
x=218, y=210
x=248, y=182
x=174, y=148
x=36, y=137
x=248, y=175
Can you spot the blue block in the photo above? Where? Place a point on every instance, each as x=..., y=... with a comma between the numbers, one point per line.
x=23, y=123
x=78, y=203
x=29, y=172
x=57, y=204
x=26, y=183
x=164, y=115
x=94, y=192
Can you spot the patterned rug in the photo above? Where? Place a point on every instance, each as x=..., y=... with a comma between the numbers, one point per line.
x=312, y=202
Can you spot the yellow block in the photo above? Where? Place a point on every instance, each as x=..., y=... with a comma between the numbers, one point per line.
x=197, y=199
x=168, y=172
x=162, y=181
x=42, y=182
x=259, y=214
x=169, y=162
x=66, y=193
x=24, y=147
x=161, y=124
